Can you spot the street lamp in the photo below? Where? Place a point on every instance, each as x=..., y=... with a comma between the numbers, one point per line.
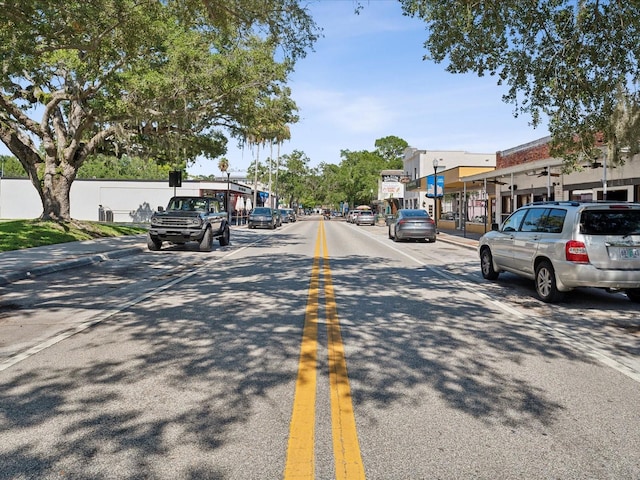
x=228, y=199
x=435, y=193
x=604, y=174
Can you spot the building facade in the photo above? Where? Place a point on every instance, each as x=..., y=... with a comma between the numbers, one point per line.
x=453, y=165
x=528, y=173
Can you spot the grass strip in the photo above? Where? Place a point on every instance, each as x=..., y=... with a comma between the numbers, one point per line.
x=19, y=234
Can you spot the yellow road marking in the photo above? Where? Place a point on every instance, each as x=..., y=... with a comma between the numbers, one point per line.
x=300, y=453
x=346, y=449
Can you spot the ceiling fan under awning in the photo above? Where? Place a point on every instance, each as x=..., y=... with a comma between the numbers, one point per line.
x=545, y=172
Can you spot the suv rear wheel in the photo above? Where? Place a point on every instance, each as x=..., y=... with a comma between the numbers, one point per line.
x=633, y=294
x=486, y=265
x=546, y=283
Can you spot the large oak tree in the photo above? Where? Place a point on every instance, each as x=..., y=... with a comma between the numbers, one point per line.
x=167, y=79
x=575, y=62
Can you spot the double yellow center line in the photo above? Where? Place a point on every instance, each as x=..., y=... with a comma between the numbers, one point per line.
x=346, y=449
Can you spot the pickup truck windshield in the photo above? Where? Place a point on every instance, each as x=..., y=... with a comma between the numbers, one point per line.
x=188, y=204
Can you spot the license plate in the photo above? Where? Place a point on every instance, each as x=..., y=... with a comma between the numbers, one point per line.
x=629, y=253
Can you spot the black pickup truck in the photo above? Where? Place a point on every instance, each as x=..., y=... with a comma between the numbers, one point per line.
x=189, y=219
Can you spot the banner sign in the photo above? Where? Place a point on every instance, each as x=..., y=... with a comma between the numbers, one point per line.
x=439, y=186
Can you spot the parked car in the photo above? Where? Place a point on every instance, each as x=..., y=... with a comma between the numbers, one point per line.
x=366, y=217
x=565, y=245
x=262, y=217
x=353, y=215
x=412, y=223
x=278, y=215
x=288, y=215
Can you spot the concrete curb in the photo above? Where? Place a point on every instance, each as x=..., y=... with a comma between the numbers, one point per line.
x=81, y=261
x=461, y=242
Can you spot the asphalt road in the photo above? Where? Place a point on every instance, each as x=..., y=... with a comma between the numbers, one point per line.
x=321, y=349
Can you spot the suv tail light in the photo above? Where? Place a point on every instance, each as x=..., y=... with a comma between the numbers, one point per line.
x=576, y=252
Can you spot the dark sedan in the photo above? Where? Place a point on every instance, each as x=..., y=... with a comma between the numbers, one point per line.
x=262, y=217
x=414, y=224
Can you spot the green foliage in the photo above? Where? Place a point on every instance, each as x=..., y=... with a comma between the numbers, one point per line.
x=162, y=80
x=355, y=179
x=391, y=149
x=11, y=167
x=125, y=167
x=576, y=63
x=295, y=178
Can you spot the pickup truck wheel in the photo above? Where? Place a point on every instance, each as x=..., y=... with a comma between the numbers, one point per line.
x=153, y=244
x=225, y=237
x=207, y=241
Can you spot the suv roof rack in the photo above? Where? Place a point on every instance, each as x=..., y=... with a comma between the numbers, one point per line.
x=572, y=203
x=576, y=203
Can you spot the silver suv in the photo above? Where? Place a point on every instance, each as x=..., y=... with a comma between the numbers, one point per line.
x=564, y=245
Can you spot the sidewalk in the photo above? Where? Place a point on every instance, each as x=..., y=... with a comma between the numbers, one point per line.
x=31, y=262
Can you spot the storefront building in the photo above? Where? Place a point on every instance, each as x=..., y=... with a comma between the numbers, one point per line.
x=527, y=173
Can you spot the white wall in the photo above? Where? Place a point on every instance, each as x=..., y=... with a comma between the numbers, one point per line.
x=19, y=199
x=129, y=201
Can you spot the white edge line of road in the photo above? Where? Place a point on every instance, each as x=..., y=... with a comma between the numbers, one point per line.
x=101, y=317
x=559, y=333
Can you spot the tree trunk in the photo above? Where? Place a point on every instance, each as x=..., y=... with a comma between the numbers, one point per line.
x=55, y=191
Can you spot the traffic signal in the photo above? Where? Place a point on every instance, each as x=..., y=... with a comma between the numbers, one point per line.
x=175, y=178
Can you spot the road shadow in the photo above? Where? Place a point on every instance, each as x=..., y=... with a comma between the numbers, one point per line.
x=187, y=367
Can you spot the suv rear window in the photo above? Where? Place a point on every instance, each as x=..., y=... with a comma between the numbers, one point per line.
x=610, y=222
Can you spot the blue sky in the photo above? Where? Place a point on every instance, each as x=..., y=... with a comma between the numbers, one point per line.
x=367, y=79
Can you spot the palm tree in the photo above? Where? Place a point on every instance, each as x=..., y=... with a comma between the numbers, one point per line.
x=223, y=165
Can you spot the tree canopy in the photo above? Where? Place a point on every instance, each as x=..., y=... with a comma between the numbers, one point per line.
x=573, y=61
x=162, y=79
x=353, y=181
